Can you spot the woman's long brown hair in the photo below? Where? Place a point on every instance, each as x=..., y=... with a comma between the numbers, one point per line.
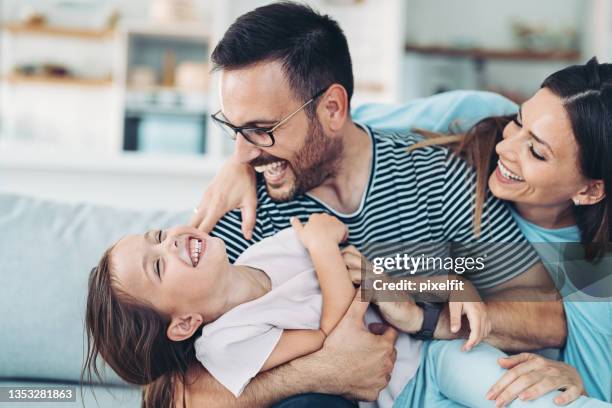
x=130, y=336
x=477, y=147
x=586, y=93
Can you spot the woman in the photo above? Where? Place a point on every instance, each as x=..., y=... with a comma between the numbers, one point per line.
x=552, y=162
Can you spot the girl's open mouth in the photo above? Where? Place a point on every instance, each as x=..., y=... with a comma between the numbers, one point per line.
x=195, y=250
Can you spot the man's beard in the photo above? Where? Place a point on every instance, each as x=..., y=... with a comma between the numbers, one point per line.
x=317, y=161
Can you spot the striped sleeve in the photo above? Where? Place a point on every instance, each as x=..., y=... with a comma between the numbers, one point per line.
x=506, y=252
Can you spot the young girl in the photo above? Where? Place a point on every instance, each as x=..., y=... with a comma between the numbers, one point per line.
x=162, y=301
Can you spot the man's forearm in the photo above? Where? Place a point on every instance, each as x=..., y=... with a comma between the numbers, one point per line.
x=264, y=390
x=516, y=325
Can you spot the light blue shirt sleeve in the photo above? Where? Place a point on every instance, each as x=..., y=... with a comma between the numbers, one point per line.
x=455, y=110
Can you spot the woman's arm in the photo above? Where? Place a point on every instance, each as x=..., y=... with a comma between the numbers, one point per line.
x=321, y=236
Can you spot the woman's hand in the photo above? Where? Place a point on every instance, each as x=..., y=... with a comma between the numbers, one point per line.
x=530, y=376
x=473, y=309
x=233, y=187
x=320, y=228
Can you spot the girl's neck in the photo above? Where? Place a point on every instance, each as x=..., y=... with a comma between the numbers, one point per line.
x=547, y=217
x=244, y=284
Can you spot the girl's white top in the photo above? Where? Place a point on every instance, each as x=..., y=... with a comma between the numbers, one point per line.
x=234, y=347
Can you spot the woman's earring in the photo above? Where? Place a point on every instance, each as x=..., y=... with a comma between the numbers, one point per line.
x=576, y=202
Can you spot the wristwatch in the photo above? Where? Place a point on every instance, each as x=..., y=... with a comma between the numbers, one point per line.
x=431, y=314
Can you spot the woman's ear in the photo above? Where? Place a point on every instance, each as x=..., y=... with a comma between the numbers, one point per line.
x=183, y=327
x=594, y=192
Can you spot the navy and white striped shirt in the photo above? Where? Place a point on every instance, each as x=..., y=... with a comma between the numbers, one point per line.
x=426, y=195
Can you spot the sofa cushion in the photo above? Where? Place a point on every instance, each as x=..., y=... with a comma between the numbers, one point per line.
x=47, y=250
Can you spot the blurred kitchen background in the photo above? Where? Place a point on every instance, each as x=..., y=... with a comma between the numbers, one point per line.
x=108, y=101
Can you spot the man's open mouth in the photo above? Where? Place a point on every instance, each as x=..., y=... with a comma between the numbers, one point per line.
x=273, y=172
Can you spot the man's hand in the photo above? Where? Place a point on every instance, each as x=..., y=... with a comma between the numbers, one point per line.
x=353, y=362
x=233, y=187
x=530, y=376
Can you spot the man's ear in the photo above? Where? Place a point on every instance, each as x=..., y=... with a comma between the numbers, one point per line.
x=183, y=327
x=592, y=193
x=333, y=107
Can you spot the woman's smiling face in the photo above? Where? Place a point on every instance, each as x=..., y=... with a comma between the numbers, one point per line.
x=538, y=156
x=160, y=267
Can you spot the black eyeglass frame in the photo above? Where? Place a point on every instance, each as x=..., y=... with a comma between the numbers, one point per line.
x=268, y=130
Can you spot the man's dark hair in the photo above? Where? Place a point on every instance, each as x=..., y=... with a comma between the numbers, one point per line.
x=311, y=47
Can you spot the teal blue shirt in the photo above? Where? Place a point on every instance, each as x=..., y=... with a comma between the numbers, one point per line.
x=589, y=319
x=589, y=345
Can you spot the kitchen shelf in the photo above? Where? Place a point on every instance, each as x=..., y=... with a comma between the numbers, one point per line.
x=57, y=80
x=42, y=29
x=488, y=53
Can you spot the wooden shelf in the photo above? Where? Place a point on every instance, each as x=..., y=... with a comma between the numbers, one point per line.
x=499, y=54
x=93, y=34
x=51, y=80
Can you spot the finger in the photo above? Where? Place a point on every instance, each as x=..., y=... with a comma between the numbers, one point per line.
x=508, y=378
x=296, y=224
x=571, y=394
x=209, y=221
x=351, y=250
x=352, y=260
x=513, y=361
x=248, y=219
x=476, y=328
x=358, y=308
x=390, y=334
x=454, y=310
x=518, y=386
x=355, y=275
x=475, y=334
x=196, y=218
x=538, y=389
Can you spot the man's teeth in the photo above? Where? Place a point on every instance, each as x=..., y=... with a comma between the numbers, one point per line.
x=271, y=167
x=507, y=173
x=196, y=249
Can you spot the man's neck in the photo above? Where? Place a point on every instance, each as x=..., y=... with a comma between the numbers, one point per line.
x=343, y=192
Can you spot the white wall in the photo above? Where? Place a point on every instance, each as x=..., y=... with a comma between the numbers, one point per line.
x=484, y=23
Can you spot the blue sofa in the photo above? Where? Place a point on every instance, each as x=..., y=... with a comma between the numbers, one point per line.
x=47, y=250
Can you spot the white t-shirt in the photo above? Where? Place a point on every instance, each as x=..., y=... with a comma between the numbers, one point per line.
x=234, y=347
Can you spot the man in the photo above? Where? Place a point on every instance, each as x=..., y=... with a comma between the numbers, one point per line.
x=286, y=85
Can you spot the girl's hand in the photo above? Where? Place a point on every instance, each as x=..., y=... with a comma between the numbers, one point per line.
x=320, y=228
x=530, y=376
x=475, y=311
x=354, y=261
x=233, y=187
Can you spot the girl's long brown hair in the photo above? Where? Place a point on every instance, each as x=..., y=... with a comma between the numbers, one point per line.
x=130, y=336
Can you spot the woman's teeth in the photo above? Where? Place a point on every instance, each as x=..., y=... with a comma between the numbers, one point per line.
x=507, y=173
x=195, y=245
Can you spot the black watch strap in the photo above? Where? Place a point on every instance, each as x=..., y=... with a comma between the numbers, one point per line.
x=431, y=314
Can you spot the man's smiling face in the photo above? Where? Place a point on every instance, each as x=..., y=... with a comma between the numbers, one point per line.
x=303, y=156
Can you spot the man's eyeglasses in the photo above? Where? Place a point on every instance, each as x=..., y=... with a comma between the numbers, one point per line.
x=259, y=136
